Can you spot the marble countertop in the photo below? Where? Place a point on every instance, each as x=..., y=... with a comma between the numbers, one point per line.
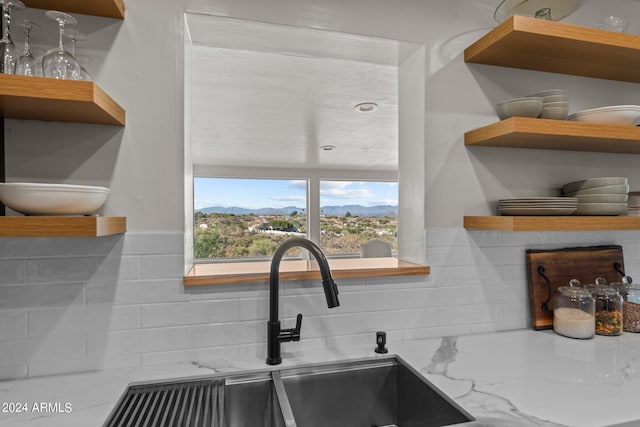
x=515, y=378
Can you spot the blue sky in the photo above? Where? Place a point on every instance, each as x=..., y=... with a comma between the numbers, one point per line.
x=261, y=193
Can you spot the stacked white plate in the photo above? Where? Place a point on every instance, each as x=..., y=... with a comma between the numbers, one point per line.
x=599, y=196
x=538, y=206
x=625, y=115
x=634, y=204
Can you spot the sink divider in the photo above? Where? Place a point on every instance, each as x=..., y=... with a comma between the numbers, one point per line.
x=283, y=400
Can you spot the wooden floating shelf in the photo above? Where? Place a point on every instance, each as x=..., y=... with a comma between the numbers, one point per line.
x=61, y=226
x=522, y=132
x=39, y=98
x=252, y=272
x=106, y=8
x=535, y=44
x=552, y=223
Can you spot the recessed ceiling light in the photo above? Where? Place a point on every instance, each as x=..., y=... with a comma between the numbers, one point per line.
x=366, y=107
x=327, y=147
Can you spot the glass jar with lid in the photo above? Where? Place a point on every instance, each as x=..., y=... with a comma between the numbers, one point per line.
x=631, y=306
x=608, y=309
x=574, y=311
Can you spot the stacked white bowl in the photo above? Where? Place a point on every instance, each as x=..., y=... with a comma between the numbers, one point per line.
x=599, y=196
x=555, y=103
x=520, y=107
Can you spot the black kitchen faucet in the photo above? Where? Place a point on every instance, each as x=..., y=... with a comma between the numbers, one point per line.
x=276, y=335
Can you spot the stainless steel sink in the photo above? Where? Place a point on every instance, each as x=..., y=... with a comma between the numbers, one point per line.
x=376, y=392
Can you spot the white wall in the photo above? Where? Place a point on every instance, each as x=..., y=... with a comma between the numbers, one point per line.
x=76, y=304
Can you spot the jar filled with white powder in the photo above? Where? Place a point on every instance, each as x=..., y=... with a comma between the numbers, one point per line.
x=574, y=312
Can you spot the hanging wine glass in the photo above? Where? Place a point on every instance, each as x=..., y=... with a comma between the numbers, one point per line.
x=75, y=36
x=57, y=62
x=7, y=48
x=27, y=64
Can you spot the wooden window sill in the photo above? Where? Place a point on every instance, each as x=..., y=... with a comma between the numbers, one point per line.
x=252, y=272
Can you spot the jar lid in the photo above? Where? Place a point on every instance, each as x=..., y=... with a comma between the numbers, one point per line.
x=604, y=290
x=633, y=293
x=574, y=291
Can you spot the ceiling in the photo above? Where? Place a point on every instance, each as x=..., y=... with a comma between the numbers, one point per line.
x=263, y=95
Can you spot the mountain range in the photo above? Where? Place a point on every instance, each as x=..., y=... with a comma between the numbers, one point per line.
x=356, y=210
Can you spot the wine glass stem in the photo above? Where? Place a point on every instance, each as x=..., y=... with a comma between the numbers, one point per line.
x=60, y=45
x=27, y=47
x=6, y=22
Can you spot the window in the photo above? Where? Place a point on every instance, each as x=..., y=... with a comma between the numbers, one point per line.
x=354, y=212
x=241, y=218
x=247, y=218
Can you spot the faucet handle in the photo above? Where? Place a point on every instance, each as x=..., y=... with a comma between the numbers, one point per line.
x=295, y=333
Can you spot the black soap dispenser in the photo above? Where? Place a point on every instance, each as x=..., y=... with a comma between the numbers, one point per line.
x=381, y=340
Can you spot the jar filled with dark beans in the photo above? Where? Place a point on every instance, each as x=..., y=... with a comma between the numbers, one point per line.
x=631, y=309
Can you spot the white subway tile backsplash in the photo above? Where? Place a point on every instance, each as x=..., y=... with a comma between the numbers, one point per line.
x=161, y=266
x=344, y=342
x=153, y=243
x=27, y=297
x=438, y=331
x=368, y=301
x=385, y=320
x=514, y=273
x=57, y=367
x=253, y=309
x=470, y=314
x=224, y=334
x=401, y=319
x=69, y=305
x=194, y=355
x=217, y=292
x=498, y=255
x=56, y=346
x=396, y=282
x=10, y=372
x=188, y=313
x=60, y=270
x=13, y=324
x=13, y=272
x=308, y=305
x=452, y=256
x=471, y=275
x=136, y=292
x=80, y=320
x=333, y=324
x=138, y=341
x=447, y=237
x=627, y=236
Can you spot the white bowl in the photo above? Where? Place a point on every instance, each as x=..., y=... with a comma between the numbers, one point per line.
x=607, y=189
x=52, y=199
x=585, y=184
x=520, y=107
x=555, y=98
x=546, y=104
x=601, y=209
x=603, y=198
x=551, y=92
x=555, y=113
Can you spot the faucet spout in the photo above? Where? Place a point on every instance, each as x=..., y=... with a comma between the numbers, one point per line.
x=276, y=335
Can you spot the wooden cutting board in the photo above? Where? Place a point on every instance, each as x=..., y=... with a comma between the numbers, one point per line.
x=562, y=265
